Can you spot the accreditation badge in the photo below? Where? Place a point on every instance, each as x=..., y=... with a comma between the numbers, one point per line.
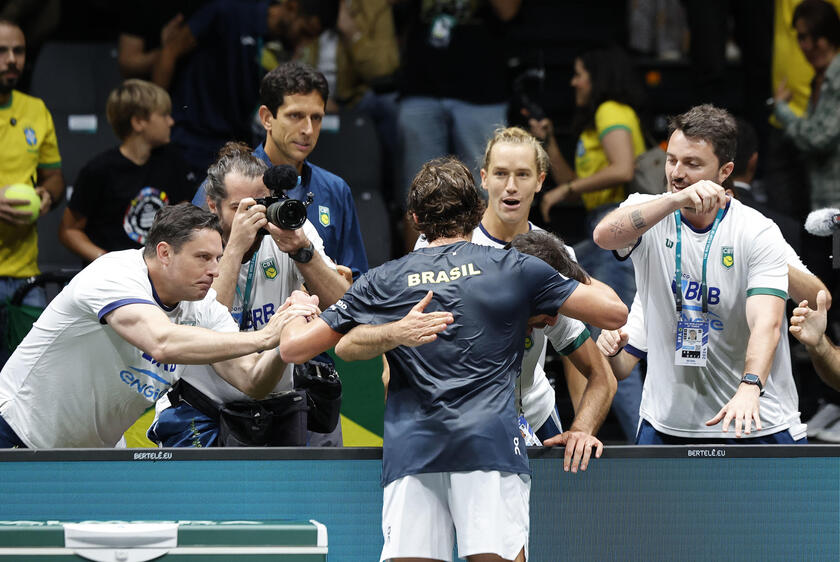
x=531, y=439
x=692, y=343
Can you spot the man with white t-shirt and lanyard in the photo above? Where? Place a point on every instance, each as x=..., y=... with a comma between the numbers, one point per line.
x=626, y=346
x=514, y=168
x=261, y=266
x=115, y=339
x=728, y=262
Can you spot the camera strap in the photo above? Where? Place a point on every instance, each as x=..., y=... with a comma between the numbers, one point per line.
x=247, y=296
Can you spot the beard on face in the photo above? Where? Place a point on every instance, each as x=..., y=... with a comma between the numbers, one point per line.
x=8, y=84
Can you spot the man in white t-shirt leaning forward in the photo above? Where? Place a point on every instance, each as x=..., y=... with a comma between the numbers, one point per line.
x=115, y=339
x=729, y=263
x=261, y=266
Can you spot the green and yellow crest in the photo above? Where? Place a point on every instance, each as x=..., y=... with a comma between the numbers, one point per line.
x=324, y=215
x=726, y=257
x=269, y=268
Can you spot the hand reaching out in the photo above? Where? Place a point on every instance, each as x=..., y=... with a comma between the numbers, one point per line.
x=419, y=327
x=807, y=325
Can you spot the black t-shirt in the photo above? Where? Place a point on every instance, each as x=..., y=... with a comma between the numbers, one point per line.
x=455, y=49
x=120, y=198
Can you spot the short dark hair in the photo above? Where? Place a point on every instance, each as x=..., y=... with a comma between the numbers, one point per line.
x=291, y=78
x=177, y=225
x=711, y=124
x=747, y=145
x=233, y=157
x=552, y=250
x=820, y=19
x=444, y=199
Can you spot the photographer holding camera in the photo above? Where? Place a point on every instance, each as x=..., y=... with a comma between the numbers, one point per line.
x=261, y=266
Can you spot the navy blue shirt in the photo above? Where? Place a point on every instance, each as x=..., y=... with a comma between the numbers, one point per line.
x=332, y=212
x=215, y=89
x=451, y=402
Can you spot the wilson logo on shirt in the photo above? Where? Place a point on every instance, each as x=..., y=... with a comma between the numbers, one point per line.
x=324, y=215
x=726, y=257
x=269, y=268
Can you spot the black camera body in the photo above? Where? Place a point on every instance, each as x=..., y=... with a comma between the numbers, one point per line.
x=283, y=212
x=280, y=210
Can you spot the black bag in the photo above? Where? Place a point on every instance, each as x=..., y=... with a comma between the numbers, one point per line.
x=323, y=394
x=277, y=421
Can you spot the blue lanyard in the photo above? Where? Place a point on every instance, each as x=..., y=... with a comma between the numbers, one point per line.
x=247, y=296
x=678, y=259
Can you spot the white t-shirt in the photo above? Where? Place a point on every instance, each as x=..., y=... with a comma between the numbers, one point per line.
x=747, y=257
x=637, y=343
x=535, y=394
x=275, y=277
x=73, y=382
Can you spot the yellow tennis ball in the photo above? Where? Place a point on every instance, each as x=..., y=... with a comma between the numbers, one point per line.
x=26, y=192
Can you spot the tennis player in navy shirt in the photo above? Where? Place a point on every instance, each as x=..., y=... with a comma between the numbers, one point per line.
x=451, y=319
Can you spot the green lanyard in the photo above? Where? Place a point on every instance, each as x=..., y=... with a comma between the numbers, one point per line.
x=678, y=258
x=247, y=295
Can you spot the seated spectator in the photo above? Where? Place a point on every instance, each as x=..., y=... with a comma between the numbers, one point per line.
x=117, y=194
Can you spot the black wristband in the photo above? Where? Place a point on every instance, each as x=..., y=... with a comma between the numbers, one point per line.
x=304, y=254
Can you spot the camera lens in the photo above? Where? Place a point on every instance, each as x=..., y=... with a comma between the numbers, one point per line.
x=289, y=214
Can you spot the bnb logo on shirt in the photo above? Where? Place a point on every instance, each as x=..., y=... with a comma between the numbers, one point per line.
x=269, y=268
x=529, y=343
x=324, y=215
x=726, y=257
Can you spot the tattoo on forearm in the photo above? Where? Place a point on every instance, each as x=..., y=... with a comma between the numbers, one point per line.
x=617, y=227
x=638, y=220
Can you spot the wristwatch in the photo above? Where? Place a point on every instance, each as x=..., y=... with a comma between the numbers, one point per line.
x=304, y=255
x=750, y=378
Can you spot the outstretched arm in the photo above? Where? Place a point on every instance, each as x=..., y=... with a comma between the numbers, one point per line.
x=146, y=327
x=596, y=304
x=415, y=328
